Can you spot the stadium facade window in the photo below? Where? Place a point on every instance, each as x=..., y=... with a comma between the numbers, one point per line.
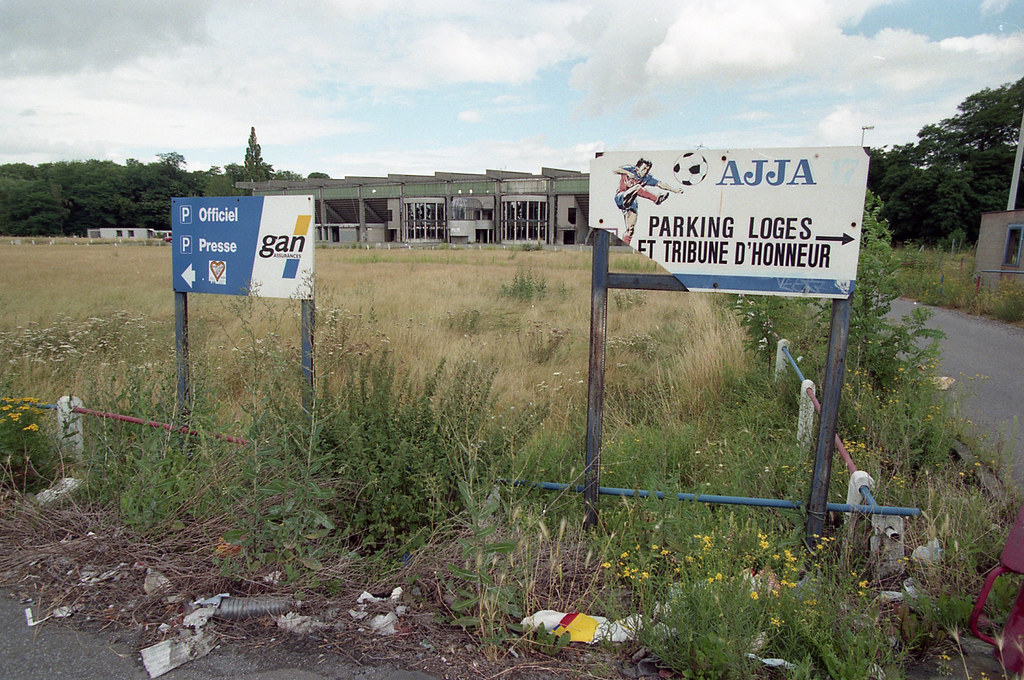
x=524, y=219
x=425, y=220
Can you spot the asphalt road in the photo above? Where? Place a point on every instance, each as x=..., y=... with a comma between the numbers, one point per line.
x=60, y=652
x=986, y=358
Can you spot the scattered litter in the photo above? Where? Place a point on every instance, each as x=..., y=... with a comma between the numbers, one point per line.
x=381, y=624
x=384, y=624
x=169, y=654
x=89, y=577
x=943, y=382
x=156, y=583
x=892, y=596
x=931, y=552
x=584, y=628
x=226, y=549
x=762, y=581
x=910, y=589
x=62, y=612
x=198, y=618
x=367, y=597
x=62, y=488
x=211, y=601
x=273, y=578
x=293, y=622
x=30, y=619
x=773, y=663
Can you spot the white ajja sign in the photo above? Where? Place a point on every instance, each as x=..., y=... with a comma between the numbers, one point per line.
x=764, y=221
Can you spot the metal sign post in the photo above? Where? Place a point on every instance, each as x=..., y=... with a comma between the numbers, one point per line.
x=181, y=362
x=832, y=388
x=308, y=323
x=595, y=386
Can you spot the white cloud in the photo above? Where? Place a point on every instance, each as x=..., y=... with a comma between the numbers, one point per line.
x=38, y=37
x=994, y=6
x=107, y=79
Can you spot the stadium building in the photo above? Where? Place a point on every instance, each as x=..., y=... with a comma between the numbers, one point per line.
x=447, y=207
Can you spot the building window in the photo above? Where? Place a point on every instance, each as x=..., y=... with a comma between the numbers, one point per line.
x=131, y=233
x=572, y=215
x=425, y=221
x=119, y=233
x=524, y=220
x=1013, y=242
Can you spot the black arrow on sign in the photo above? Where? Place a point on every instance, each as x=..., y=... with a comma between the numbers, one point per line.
x=844, y=239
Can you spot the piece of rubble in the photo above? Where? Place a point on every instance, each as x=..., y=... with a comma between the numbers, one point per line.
x=169, y=654
x=64, y=487
x=293, y=622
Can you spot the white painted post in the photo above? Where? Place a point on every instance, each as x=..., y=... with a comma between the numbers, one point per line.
x=805, y=420
x=69, y=426
x=780, y=358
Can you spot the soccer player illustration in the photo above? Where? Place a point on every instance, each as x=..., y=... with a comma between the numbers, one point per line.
x=634, y=181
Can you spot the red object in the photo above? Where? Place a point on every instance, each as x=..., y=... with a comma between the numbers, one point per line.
x=153, y=423
x=1011, y=652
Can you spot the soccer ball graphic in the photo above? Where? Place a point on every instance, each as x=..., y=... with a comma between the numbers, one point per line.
x=690, y=169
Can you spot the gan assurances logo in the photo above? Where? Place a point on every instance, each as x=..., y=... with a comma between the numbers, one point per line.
x=287, y=246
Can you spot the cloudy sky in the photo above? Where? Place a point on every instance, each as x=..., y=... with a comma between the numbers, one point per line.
x=350, y=87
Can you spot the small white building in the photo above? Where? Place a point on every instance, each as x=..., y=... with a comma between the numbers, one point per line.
x=135, y=233
x=1000, y=247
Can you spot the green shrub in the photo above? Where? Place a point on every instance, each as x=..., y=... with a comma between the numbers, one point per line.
x=383, y=461
x=525, y=287
x=1009, y=302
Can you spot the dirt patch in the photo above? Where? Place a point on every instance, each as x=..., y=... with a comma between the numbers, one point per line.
x=82, y=562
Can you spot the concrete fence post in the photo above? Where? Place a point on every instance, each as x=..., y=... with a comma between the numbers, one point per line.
x=69, y=426
x=780, y=358
x=805, y=420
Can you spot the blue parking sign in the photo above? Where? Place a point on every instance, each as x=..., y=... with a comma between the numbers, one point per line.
x=246, y=245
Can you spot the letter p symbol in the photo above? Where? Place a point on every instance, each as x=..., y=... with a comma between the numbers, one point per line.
x=186, y=245
x=186, y=214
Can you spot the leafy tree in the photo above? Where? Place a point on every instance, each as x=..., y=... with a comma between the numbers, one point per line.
x=935, y=190
x=318, y=175
x=287, y=175
x=31, y=207
x=256, y=169
x=217, y=182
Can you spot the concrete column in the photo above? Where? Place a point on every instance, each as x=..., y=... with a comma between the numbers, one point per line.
x=780, y=358
x=69, y=426
x=805, y=421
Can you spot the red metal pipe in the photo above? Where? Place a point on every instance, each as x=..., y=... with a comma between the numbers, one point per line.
x=839, y=442
x=153, y=423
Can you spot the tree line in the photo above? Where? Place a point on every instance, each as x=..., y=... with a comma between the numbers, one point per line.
x=68, y=198
x=933, y=190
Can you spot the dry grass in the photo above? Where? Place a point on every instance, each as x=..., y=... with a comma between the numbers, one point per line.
x=425, y=306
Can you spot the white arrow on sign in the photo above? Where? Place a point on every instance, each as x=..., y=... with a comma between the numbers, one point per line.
x=189, y=275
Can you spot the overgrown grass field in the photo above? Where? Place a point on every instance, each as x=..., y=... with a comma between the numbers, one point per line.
x=442, y=375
